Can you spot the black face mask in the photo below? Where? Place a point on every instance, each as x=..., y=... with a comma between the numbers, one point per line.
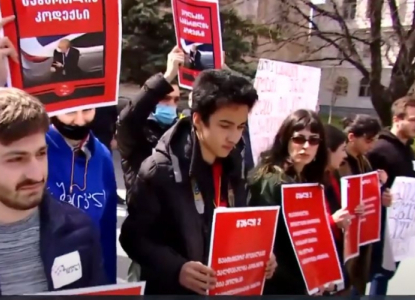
x=72, y=132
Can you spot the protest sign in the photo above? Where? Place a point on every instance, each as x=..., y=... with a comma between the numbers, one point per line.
x=370, y=221
x=401, y=218
x=124, y=289
x=198, y=34
x=304, y=212
x=351, y=197
x=69, y=51
x=239, y=254
x=282, y=88
x=356, y=190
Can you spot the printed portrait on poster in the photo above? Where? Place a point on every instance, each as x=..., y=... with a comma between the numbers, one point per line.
x=69, y=51
x=198, y=34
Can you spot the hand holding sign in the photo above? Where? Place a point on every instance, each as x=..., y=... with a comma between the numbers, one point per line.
x=359, y=209
x=6, y=50
x=175, y=59
x=386, y=198
x=197, y=277
x=383, y=176
x=271, y=267
x=342, y=218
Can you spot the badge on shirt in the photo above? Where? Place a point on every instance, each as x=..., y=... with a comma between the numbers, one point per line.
x=199, y=203
x=66, y=269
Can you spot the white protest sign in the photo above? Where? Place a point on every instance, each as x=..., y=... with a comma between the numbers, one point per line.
x=282, y=88
x=401, y=218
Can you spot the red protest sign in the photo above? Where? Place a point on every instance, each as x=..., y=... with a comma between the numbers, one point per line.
x=370, y=221
x=125, y=289
x=304, y=211
x=198, y=34
x=351, y=197
x=69, y=51
x=239, y=253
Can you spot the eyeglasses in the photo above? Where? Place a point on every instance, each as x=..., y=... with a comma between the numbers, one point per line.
x=301, y=140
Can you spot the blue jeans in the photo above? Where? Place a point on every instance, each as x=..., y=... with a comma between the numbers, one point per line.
x=380, y=281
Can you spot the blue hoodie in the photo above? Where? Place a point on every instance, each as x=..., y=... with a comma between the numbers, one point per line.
x=94, y=188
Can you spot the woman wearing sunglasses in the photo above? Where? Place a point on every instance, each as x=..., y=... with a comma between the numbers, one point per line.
x=361, y=132
x=298, y=155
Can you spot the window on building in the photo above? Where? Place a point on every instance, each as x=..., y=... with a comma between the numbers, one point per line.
x=349, y=9
x=364, y=89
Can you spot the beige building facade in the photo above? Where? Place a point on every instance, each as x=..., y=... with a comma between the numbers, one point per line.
x=356, y=98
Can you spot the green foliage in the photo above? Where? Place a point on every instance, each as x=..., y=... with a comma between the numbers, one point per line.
x=240, y=39
x=148, y=36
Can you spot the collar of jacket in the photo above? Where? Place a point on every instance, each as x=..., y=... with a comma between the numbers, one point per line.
x=346, y=169
x=183, y=148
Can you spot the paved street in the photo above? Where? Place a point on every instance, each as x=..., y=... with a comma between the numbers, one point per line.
x=123, y=262
x=402, y=284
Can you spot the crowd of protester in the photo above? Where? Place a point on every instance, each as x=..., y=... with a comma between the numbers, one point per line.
x=58, y=192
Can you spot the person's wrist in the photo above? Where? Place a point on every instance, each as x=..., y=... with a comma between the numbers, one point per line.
x=169, y=75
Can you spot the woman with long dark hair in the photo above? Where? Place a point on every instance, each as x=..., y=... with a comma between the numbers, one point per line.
x=339, y=217
x=298, y=155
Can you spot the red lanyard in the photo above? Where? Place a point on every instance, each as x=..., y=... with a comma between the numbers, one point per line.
x=336, y=187
x=217, y=180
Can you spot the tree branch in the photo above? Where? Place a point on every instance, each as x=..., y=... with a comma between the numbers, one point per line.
x=300, y=61
x=356, y=61
x=396, y=21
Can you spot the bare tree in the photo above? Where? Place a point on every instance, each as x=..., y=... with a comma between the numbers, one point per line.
x=348, y=40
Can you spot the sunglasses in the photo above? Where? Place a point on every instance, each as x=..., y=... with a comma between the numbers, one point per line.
x=301, y=140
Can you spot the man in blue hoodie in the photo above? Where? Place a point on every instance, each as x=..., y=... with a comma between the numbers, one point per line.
x=45, y=245
x=81, y=172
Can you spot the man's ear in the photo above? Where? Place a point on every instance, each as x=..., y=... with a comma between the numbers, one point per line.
x=350, y=137
x=197, y=121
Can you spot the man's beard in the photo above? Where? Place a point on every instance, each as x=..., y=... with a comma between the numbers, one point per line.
x=21, y=202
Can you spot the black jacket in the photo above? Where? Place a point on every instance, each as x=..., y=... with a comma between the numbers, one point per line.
x=103, y=125
x=395, y=158
x=391, y=155
x=163, y=229
x=65, y=229
x=287, y=280
x=137, y=135
x=70, y=62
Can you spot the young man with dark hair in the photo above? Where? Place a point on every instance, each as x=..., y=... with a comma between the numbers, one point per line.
x=392, y=153
x=196, y=167
x=46, y=244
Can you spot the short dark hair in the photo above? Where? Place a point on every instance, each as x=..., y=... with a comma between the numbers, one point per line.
x=214, y=89
x=334, y=137
x=398, y=108
x=21, y=115
x=362, y=125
